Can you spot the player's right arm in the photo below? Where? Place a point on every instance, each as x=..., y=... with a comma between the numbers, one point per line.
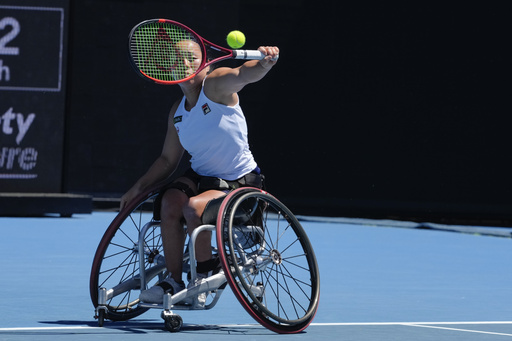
x=223, y=84
x=163, y=166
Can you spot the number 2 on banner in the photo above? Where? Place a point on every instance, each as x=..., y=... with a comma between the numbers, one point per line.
x=9, y=36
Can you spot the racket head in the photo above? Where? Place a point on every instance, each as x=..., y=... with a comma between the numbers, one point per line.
x=166, y=51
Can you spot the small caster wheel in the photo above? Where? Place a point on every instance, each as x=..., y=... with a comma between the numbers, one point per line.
x=173, y=323
x=101, y=317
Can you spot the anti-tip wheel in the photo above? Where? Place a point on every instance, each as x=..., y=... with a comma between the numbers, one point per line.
x=173, y=323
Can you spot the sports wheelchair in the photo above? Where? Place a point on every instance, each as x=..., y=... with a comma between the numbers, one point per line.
x=266, y=259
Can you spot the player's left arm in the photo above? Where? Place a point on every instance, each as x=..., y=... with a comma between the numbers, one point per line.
x=222, y=84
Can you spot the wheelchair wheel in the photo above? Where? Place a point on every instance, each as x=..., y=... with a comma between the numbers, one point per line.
x=268, y=260
x=116, y=262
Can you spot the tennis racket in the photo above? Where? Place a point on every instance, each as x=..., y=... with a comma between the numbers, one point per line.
x=169, y=52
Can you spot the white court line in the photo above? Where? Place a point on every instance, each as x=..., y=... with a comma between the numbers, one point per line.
x=28, y=329
x=406, y=323
x=456, y=329
x=412, y=324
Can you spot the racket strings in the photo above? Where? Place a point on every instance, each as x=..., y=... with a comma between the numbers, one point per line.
x=157, y=52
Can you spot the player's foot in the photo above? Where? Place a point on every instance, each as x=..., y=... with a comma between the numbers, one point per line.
x=201, y=277
x=156, y=293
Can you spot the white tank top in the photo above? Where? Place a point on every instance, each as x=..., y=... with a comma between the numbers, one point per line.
x=215, y=135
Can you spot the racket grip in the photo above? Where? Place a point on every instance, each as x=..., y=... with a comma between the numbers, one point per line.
x=249, y=54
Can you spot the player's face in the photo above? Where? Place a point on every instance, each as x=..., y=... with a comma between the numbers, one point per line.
x=190, y=55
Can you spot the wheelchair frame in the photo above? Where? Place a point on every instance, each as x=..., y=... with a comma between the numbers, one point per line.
x=245, y=253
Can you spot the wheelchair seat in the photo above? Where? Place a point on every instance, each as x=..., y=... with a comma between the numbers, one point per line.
x=242, y=215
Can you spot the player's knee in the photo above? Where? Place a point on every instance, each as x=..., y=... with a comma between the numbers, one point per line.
x=192, y=211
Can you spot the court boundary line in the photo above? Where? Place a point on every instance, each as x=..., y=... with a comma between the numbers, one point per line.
x=32, y=329
x=411, y=324
x=456, y=329
x=407, y=323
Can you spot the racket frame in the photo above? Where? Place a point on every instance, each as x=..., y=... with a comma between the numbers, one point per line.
x=203, y=45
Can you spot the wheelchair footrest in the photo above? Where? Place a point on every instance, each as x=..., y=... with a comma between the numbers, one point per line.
x=178, y=306
x=151, y=305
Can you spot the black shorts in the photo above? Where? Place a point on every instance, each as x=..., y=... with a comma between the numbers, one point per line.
x=206, y=183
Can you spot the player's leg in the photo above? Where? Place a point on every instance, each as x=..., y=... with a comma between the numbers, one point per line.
x=174, y=199
x=173, y=235
x=192, y=213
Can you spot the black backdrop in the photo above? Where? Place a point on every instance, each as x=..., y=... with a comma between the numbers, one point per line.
x=372, y=110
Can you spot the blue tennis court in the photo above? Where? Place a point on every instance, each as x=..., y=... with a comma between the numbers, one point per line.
x=384, y=280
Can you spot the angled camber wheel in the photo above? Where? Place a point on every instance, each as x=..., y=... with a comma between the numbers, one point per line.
x=116, y=262
x=268, y=260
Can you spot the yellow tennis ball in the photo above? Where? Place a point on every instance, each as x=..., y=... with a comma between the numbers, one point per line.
x=235, y=39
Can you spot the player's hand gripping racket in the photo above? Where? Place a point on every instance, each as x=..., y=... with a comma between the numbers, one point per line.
x=168, y=52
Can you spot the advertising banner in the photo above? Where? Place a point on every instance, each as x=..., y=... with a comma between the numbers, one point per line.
x=33, y=53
